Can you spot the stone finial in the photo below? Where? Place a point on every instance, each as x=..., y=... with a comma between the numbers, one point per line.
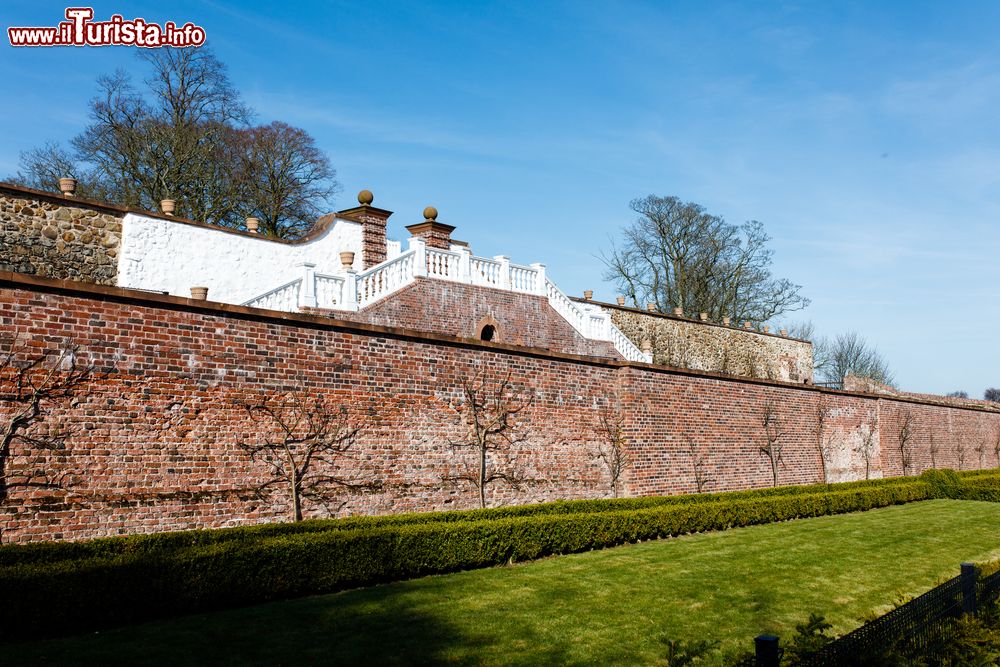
x=647, y=345
x=703, y=317
x=168, y=206
x=784, y=332
x=726, y=321
x=253, y=225
x=678, y=311
x=347, y=260
x=620, y=300
x=767, y=329
x=651, y=307
x=588, y=294
x=199, y=293
x=430, y=213
x=747, y=325
x=365, y=197
x=67, y=186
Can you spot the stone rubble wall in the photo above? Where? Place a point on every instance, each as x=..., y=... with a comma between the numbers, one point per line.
x=56, y=238
x=685, y=343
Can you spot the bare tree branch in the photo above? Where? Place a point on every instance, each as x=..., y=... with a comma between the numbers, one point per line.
x=676, y=254
x=613, y=443
x=490, y=412
x=32, y=385
x=301, y=440
x=774, y=430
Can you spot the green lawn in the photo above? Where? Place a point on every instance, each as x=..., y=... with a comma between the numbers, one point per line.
x=601, y=607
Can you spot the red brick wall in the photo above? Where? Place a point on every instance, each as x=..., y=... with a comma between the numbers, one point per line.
x=460, y=310
x=154, y=436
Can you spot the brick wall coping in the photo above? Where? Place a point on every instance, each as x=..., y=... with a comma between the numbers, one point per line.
x=315, y=230
x=680, y=318
x=156, y=300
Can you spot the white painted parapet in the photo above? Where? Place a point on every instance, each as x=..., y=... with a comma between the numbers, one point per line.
x=172, y=255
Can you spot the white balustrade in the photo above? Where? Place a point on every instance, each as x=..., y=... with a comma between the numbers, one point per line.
x=443, y=264
x=285, y=297
x=330, y=291
x=383, y=279
x=626, y=347
x=351, y=290
x=485, y=272
x=565, y=307
x=523, y=279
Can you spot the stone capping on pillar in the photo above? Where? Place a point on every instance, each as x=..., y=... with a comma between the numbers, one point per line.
x=435, y=234
x=373, y=221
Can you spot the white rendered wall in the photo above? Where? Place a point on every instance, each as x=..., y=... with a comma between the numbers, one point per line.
x=169, y=256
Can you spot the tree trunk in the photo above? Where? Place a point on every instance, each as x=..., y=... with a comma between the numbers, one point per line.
x=296, y=498
x=482, y=477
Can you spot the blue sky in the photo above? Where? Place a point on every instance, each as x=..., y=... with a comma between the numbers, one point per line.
x=864, y=136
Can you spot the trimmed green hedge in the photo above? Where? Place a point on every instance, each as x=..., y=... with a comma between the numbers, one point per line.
x=167, y=577
x=51, y=552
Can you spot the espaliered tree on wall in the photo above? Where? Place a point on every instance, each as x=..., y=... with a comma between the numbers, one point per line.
x=612, y=444
x=491, y=413
x=867, y=447
x=32, y=385
x=905, y=435
x=996, y=441
x=303, y=442
x=773, y=447
x=699, y=464
x=823, y=445
x=933, y=446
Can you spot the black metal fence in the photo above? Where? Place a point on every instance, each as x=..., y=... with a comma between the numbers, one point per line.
x=911, y=624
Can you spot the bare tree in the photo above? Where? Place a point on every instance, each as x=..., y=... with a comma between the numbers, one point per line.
x=980, y=446
x=676, y=254
x=613, y=444
x=960, y=454
x=186, y=135
x=302, y=441
x=32, y=385
x=699, y=465
x=868, y=445
x=284, y=178
x=957, y=394
x=996, y=440
x=774, y=430
x=992, y=394
x=822, y=415
x=491, y=413
x=906, y=429
x=848, y=354
x=933, y=447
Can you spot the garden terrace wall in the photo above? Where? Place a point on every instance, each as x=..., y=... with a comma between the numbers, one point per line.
x=708, y=346
x=155, y=435
x=58, y=237
x=461, y=310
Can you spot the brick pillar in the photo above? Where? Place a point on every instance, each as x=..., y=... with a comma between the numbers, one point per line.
x=373, y=221
x=435, y=234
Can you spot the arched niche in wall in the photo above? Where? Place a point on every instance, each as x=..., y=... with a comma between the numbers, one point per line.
x=488, y=329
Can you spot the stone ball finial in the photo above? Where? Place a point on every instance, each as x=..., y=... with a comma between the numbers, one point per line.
x=430, y=213
x=365, y=197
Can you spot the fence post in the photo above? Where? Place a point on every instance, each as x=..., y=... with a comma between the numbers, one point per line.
x=307, y=295
x=504, y=271
x=766, y=650
x=970, y=574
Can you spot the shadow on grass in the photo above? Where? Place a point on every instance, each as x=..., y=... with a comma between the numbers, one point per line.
x=380, y=626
